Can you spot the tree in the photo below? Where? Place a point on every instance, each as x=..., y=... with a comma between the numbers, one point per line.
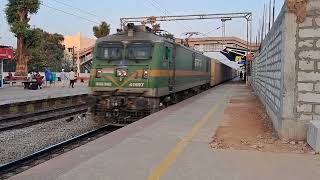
x=46, y=50
x=168, y=35
x=17, y=12
x=102, y=30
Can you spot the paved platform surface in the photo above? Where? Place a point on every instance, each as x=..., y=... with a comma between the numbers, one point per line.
x=16, y=93
x=173, y=145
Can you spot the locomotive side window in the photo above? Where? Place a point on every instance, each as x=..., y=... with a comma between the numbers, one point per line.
x=198, y=63
x=139, y=51
x=167, y=53
x=193, y=61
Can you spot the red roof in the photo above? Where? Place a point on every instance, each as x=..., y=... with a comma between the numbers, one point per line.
x=6, y=53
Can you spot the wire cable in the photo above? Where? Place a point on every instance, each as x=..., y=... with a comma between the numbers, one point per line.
x=84, y=11
x=186, y=26
x=189, y=27
x=207, y=33
x=89, y=20
x=166, y=12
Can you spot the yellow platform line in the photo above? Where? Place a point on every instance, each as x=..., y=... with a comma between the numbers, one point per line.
x=173, y=154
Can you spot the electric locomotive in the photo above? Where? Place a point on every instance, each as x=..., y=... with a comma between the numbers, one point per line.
x=136, y=72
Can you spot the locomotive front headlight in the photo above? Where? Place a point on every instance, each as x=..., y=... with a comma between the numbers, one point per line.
x=121, y=73
x=99, y=73
x=124, y=73
x=145, y=74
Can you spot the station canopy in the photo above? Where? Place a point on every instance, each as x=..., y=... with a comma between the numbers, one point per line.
x=239, y=55
x=6, y=53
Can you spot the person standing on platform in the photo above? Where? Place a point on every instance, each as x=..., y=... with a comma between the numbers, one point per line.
x=72, y=77
x=241, y=74
x=63, y=77
x=48, y=75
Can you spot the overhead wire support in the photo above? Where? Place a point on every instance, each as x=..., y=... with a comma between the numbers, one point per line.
x=246, y=15
x=222, y=16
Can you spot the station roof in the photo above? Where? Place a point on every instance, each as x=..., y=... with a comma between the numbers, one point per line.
x=232, y=53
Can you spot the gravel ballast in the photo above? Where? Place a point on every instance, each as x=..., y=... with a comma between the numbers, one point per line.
x=15, y=144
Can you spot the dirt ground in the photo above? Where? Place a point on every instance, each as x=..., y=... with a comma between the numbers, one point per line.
x=246, y=126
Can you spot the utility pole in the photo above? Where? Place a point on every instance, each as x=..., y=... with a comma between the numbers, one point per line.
x=223, y=20
x=273, y=11
x=73, y=56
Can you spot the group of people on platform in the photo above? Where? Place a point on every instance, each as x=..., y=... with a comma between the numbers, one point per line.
x=37, y=77
x=64, y=77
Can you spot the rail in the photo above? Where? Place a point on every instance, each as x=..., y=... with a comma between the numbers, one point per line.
x=44, y=153
x=25, y=120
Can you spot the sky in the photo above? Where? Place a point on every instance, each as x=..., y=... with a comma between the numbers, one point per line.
x=87, y=13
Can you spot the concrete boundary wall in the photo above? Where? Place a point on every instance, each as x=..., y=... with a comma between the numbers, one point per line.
x=286, y=71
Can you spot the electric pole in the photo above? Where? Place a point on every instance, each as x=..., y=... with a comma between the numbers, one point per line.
x=73, y=56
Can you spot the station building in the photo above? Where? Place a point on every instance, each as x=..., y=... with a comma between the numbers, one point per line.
x=74, y=45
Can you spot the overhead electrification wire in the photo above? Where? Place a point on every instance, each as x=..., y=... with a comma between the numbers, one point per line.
x=157, y=5
x=208, y=27
x=65, y=12
x=207, y=33
x=166, y=12
x=83, y=11
x=189, y=27
x=71, y=6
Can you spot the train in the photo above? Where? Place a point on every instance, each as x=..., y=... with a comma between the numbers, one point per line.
x=137, y=72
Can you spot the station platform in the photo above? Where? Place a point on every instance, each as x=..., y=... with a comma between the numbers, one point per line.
x=173, y=144
x=17, y=94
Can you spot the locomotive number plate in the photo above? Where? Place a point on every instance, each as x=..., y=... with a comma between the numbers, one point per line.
x=138, y=85
x=104, y=84
x=108, y=70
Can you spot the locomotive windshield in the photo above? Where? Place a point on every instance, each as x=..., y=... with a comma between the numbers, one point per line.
x=139, y=50
x=111, y=51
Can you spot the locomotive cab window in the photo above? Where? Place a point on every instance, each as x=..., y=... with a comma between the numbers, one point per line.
x=110, y=51
x=139, y=51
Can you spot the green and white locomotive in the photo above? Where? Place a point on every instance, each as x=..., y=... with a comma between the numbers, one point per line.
x=136, y=72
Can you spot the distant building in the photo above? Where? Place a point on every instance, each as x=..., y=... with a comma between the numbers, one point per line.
x=78, y=44
x=216, y=44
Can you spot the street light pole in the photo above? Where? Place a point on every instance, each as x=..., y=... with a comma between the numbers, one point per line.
x=72, y=56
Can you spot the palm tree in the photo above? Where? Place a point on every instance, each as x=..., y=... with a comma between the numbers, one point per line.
x=102, y=30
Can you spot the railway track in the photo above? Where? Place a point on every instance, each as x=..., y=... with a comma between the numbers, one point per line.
x=22, y=164
x=25, y=120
